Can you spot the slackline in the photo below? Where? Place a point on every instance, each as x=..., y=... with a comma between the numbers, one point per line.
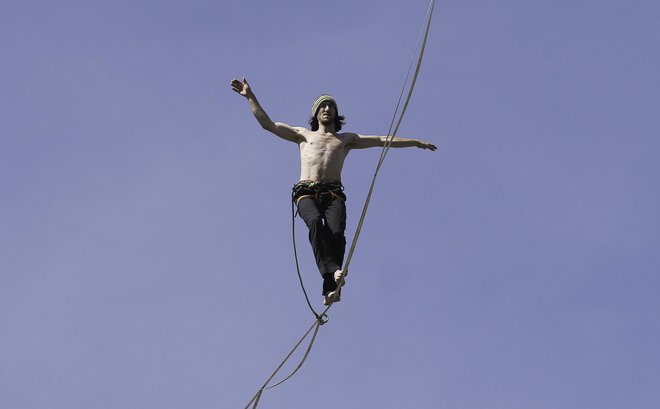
x=391, y=133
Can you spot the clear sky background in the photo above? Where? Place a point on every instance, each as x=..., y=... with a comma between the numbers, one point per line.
x=145, y=254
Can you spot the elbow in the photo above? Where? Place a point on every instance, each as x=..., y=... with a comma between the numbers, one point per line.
x=265, y=123
x=269, y=126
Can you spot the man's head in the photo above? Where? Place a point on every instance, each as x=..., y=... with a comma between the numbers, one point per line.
x=325, y=111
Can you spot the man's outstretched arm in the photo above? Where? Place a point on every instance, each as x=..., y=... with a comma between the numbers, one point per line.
x=364, y=141
x=282, y=130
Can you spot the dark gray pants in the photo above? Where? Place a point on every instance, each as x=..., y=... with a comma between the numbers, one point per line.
x=325, y=217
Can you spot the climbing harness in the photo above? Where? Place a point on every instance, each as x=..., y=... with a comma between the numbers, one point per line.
x=322, y=318
x=320, y=191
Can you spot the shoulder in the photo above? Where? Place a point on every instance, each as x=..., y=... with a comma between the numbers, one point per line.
x=303, y=132
x=290, y=133
x=349, y=137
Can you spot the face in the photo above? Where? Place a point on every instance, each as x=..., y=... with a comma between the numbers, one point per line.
x=326, y=113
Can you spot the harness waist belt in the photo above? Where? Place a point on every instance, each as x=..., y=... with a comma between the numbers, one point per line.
x=317, y=190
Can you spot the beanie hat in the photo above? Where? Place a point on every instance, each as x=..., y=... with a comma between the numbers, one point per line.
x=321, y=99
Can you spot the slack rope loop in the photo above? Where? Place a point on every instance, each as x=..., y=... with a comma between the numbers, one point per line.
x=390, y=136
x=257, y=396
x=322, y=318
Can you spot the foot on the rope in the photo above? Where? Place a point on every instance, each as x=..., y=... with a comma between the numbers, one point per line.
x=330, y=298
x=339, y=279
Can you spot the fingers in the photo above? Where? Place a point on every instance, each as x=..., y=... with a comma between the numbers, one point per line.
x=238, y=85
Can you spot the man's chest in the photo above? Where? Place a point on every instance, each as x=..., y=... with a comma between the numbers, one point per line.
x=328, y=144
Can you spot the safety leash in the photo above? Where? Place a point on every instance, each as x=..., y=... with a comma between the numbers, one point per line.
x=322, y=318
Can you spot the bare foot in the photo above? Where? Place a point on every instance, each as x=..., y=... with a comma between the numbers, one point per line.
x=330, y=298
x=339, y=278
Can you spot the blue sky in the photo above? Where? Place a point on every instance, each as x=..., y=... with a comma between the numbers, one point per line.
x=146, y=259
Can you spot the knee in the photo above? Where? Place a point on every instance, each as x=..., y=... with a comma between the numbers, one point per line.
x=314, y=222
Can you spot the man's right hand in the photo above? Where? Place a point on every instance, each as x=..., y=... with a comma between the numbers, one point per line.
x=242, y=87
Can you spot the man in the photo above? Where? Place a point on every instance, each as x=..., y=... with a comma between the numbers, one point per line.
x=319, y=193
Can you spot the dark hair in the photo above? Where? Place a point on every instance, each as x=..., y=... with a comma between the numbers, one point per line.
x=339, y=122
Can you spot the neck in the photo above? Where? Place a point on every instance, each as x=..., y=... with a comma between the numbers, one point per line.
x=326, y=128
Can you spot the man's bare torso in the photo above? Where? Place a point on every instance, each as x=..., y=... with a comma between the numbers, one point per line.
x=322, y=155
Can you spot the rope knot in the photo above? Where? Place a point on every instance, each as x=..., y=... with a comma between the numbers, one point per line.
x=323, y=318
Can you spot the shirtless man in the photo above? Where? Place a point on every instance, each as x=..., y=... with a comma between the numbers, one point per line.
x=319, y=193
